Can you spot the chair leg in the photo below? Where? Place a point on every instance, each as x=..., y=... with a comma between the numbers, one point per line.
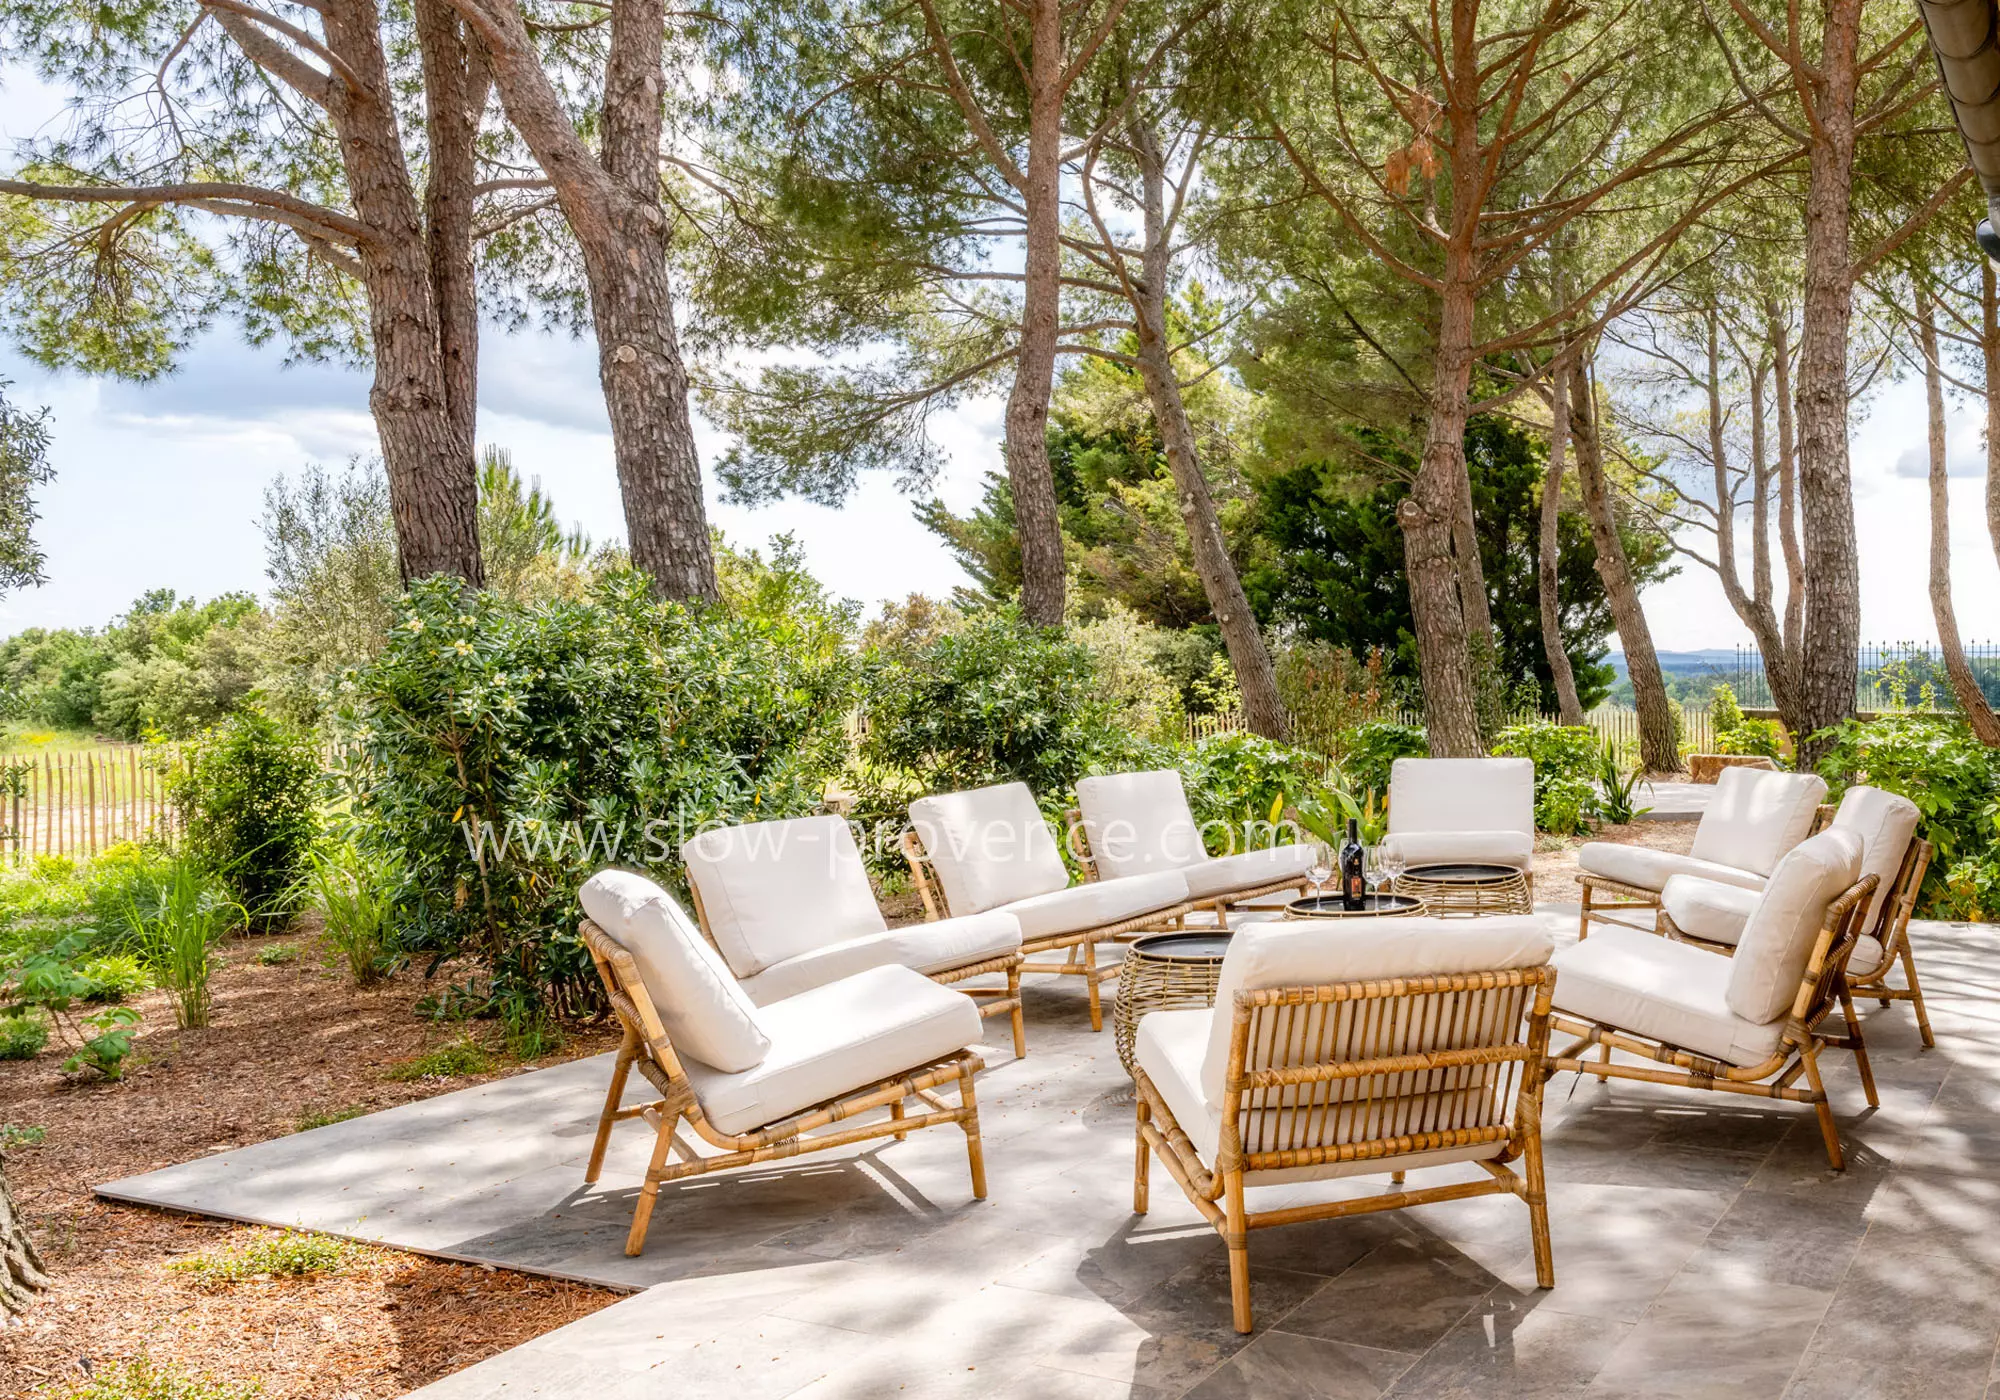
x=896, y=1113
x=1583, y=916
x=1142, y=1163
x=628, y=1051
x=1538, y=1213
x=1859, y=1047
x=1090, y=978
x=1236, y=1235
x=1018, y=1018
x=975, y=1153
x=642, y=1214
x=1917, y=996
x=1827, y=1128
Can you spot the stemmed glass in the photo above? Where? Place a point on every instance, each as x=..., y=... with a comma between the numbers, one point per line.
x=1321, y=872
x=1391, y=864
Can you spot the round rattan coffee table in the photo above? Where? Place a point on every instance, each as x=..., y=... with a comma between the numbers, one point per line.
x=1468, y=887
x=1164, y=972
x=1373, y=906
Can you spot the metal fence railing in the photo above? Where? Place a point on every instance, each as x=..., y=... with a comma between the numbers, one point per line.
x=1891, y=676
x=1614, y=722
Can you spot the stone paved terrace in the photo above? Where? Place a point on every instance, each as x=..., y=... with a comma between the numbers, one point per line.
x=1702, y=1248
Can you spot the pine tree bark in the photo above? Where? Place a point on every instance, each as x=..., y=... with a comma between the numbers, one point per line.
x=614, y=207
x=1256, y=679
x=1549, y=556
x=1037, y=524
x=1964, y=685
x=21, y=1271
x=1659, y=746
x=1830, y=655
x=1989, y=339
x=455, y=88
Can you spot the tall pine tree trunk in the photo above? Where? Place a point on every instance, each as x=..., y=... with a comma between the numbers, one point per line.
x=1547, y=575
x=1989, y=339
x=1256, y=680
x=21, y=1275
x=1964, y=685
x=614, y=207
x=1036, y=522
x=1659, y=747
x=1830, y=655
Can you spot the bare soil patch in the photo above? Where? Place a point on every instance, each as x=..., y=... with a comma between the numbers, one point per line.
x=1555, y=856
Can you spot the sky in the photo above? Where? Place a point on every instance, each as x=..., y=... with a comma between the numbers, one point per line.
x=161, y=485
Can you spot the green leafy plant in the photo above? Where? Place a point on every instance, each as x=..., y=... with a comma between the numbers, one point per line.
x=1724, y=713
x=1369, y=751
x=291, y=1254
x=354, y=886
x=277, y=954
x=172, y=923
x=326, y=1117
x=454, y=1059
x=22, y=1036
x=144, y=1380
x=113, y=977
x=1567, y=761
x=1240, y=785
x=13, y=1135
x=47, y=981
x=1616, y=784
x=106, y=1042
x=502, y=752
x=247, y=794
x=1752, y=736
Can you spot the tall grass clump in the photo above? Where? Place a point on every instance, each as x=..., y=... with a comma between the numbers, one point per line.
x=354, y=888
x=172, y=925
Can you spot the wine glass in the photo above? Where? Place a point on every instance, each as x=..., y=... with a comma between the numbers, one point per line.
x=1321, y=872
x=1392, y=863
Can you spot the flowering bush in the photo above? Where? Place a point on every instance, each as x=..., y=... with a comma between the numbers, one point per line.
x=1567, y=760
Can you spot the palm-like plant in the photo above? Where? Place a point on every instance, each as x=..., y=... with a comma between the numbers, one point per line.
x=173, y=921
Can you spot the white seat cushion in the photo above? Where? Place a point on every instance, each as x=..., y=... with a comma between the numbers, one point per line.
x=1756, y=816
x=835, y=1039
x=1869, y=960
x=1661, y=990
x=774, y=890
x=1708, y=909
x=936, y=947
x=1305, y=954
x=705, y=1014
x=1096, y=904
x=1462, y=794
x=1886, y=824
x=988, y=847
x=1169, y=1047
x=1515, y=848
x=1138, y=823
x=1246, y=870
x=1648, y=869
x=1778, y=939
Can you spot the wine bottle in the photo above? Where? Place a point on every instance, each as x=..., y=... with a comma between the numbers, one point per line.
x=1353, y=888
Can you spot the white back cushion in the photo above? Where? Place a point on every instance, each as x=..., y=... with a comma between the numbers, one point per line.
x=1305, y=954
x=774, y=890
x=1137, y=823
x=1756, y=816
x=1886, y=825
x=1777, y=942
x=1462, y=794
x=989, y=846
x=705, y=1013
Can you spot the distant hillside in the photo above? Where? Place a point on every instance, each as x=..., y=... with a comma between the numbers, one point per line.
x=1708, y=659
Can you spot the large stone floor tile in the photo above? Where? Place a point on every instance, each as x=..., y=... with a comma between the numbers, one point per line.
x=1711, y=1336
x=1284, y=1366
x=1510, y=1346
x=1403, y=1296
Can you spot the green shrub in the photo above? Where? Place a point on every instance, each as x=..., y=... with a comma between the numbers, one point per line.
x=1567, y=761
x=1935, y=761
x=1616, y=784
x=22, y=1036
x=13, y=1135
x=173, y=923
x=247, y=794
x=142, y=1380
x=47, y=980
x=113, y=977
x=501, y=752
x=1238, y=787
x=292, y=1254
x=453, y=1060
x=277, y=954
x=1369, y=751
x=354, y=886
x=1752, y=736
x=1724, y=714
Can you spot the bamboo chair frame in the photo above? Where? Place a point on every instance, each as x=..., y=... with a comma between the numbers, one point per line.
x=1079, y=838
x=646, y=1046
x=1822, y=988
x=1508, y=1076
x=1891, y=929
x=991, y=1001
x=1082, y=943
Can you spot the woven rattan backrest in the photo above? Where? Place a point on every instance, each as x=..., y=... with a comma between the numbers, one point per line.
x=1892, y=925
x=1326, y=1072
x=1838, y=935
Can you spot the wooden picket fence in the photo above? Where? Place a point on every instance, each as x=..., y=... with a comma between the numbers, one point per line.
x=1612, y=722
x=77, y=804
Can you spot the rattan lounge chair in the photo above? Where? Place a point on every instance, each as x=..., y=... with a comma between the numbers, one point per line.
x=1134, y=823
x=1748, y=1024
x=989, y=849
x=1409, y=1044
x=1713, y=915
x=761, y=1083
x=789, y=907
x=1755, y=817
x=1480, y=811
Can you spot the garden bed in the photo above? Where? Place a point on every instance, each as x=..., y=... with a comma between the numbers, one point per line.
x=292, y=1044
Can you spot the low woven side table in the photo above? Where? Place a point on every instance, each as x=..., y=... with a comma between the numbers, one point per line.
x=1468, y=888
x=1164, y=972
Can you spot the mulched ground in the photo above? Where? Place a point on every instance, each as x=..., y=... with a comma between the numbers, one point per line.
x=288, y=1041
